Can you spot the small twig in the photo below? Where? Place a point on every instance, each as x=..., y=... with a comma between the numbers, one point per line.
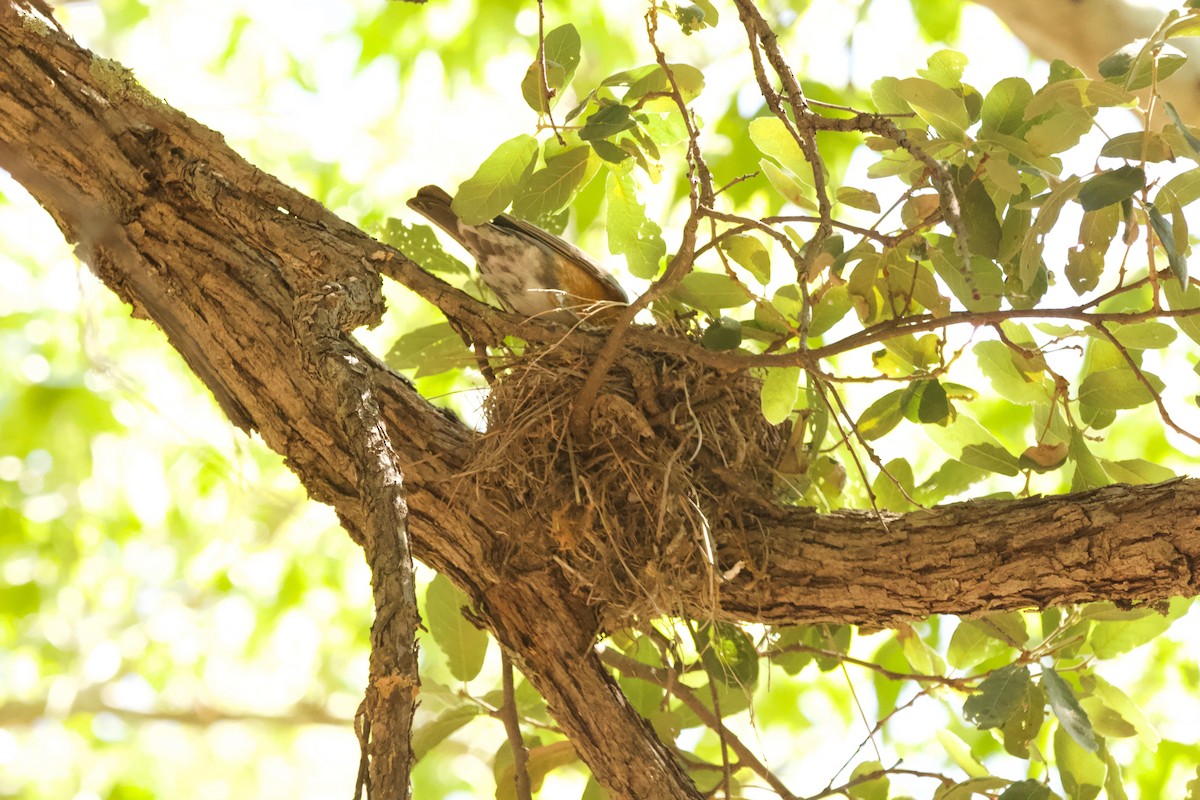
x=544, y=88
x=512, y=726
x=679, y=265
x=1142, y=379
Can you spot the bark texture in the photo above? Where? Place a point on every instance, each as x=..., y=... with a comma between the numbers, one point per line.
x=216, y=253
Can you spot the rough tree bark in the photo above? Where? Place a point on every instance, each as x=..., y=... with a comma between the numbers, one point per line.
x=216, y=253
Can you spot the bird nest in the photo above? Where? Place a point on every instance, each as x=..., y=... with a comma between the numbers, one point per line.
x=675, y=454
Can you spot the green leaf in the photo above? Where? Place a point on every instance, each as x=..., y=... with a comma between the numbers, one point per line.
x=562, y=46
x=1181, y=300
x=1028, y=789
x=938, y=20
x=561, y=51
x=542, y=760
x=421, y=244
x=631, y=232
x=722, y=333
x=608, y=121
x=1166, y=234
x=432, y=733
x=537, y=98
x=1058, y=131
x=749, y=251
x=728, y=654
x=1080, y=769
x=889, y=495
x=1084, y=267
x=833, y=305
x=925, y=401
x=965, y=439
x=430, y=350
x=1024, y=726
x=1137, y=471
x=996, y=361
x=979, y=217
x=710, y=291
x=1184, y=188
x=940, y=108
x=991, y=457
x=772, y=137
x=858, y=198
x=986, y=279
x=788, y=184
x=1004, y=106
x=1132, y=146
x=1111, y=638
x=970, y=789
x=486, y=194
x=463, y=644
x=612, y=153
x=1117, y=388
x=1119, y=703
x=920, y=656
x=710, y=12
x=792, y=661
x=1111, y=186
x=1135, y=66
x=960, y=754
x=1184, y=130
x=1113, y=787
x=689, y=79
x=780, y=389
x=1088, y=472
x=550, y=189
x=998, y=697
x=945, y=67
x=1031, y=248
x=873, y=789
x=1147, y=335
x=973, y=642
x=881, y=416
x=1077, y=93
x=1066, y=708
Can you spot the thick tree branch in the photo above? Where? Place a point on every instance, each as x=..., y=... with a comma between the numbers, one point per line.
x=1084, y=33
x=324, y=319
x=1124, y=544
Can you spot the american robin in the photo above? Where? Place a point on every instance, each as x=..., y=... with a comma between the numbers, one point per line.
x=532, y=272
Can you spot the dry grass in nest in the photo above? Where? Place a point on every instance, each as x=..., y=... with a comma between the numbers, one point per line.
x=634, y=512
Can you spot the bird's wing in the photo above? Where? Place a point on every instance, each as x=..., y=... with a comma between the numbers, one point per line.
x=433, y=203
x=567, y=250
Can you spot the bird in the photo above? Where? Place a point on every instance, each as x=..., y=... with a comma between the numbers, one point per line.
x=532, y=272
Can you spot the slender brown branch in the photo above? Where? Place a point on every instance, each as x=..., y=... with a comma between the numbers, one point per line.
x=1142, y=379
x=679, y=265
x=512, y=727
